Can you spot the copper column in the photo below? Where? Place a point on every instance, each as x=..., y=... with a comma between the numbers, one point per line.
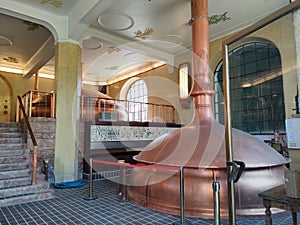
x=202, y=91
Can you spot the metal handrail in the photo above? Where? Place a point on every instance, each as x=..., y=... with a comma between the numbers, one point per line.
x=35, y=146
x=32, y=97
x=88, y=105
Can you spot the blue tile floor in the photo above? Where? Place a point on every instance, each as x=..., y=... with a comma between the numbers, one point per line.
x=69, y=207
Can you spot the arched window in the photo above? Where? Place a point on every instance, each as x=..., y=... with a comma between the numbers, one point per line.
x=256, y=89
x=137, y=98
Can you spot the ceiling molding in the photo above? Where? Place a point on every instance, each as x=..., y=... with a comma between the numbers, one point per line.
x=131, y=44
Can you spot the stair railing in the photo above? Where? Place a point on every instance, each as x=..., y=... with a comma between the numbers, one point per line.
x=35, y=146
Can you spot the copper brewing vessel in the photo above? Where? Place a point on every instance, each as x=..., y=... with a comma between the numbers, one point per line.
x=204, y=161
x=200, y=148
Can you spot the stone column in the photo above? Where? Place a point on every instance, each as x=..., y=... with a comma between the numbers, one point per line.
x=68, y=83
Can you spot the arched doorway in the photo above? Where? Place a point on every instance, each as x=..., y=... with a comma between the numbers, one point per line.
x=5, y=100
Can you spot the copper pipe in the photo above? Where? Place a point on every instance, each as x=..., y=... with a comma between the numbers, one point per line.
x=201, y=90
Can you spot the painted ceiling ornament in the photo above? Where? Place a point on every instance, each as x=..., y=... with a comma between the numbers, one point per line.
x=113, y=49
x=144, y=34
x=11, y=59
x=55, y=3
x=214, y=19
x=31, y=26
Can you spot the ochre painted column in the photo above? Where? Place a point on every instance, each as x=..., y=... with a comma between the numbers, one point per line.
x=68, y=83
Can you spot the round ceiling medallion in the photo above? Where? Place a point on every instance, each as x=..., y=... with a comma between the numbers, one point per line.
x=5, y=42
x=115, y=21
x=92, y=43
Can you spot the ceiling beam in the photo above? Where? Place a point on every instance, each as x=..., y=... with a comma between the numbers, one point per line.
x=40, y=58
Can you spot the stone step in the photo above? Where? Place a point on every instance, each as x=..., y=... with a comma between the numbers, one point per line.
x=10, y=130
x=49, y=194
x=24, y=190
x=12, y=140
x=20, y=181
x=14, y=152
x=10, y=124
x=15, y=159
x=12, y=146
x=4, y=175
x=14, y=166
x=11, y=135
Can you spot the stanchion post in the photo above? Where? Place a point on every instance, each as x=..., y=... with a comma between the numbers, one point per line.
x=91, y=196
x=216, y=193
x=182, y=219
x=122, y=185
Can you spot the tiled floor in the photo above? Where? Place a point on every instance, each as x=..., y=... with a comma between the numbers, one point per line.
x=69, y=207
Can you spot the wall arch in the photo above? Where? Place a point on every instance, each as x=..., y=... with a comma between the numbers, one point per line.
x=126, y=86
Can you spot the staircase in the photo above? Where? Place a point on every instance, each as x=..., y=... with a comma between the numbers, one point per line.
x=16, y=170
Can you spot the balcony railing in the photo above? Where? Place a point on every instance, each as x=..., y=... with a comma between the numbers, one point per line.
x=37, y=104
x=108, y=109
x=42, y=104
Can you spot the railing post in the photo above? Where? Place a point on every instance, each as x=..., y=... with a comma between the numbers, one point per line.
x=35, y=150
x=163, y=113
x=182, y=219
x=122, y=184
x=216, y=198
x=173, y=115
x=91, y=195
x=18, y=112
x=30, y=104
x=52, y=107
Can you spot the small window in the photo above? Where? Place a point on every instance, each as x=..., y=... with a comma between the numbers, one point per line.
x=184, y=70
x=137, y=98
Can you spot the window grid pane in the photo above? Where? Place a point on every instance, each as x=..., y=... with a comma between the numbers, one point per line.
x=256, y=89
x=137, y=96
